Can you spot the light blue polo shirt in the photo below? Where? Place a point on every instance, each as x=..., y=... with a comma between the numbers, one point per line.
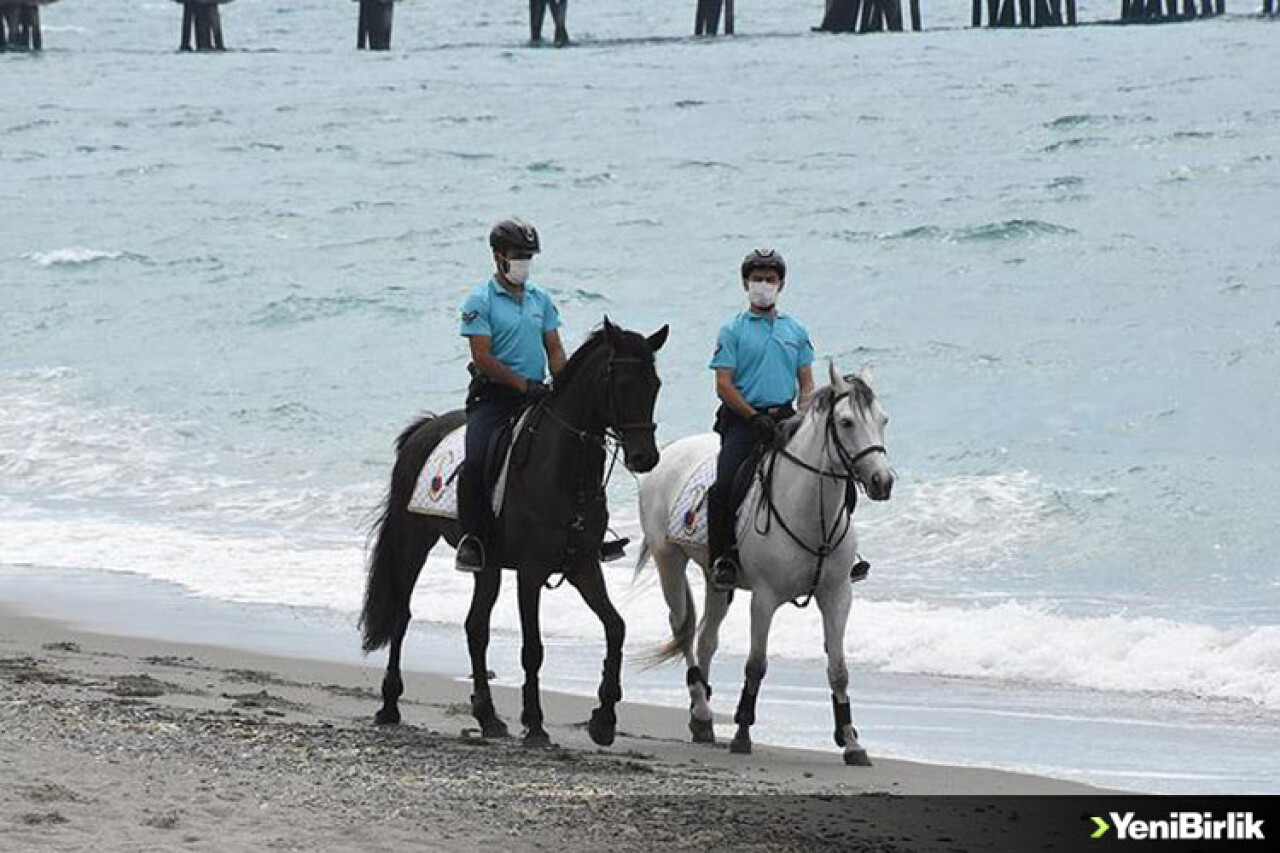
x=515, y=328
x=764, y=353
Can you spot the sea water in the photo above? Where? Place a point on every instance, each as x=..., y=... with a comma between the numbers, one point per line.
x=228, y=281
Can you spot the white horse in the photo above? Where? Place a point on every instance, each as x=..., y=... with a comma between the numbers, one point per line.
x=798, y=543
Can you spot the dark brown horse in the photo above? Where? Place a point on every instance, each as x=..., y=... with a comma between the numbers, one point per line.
x=553, y=520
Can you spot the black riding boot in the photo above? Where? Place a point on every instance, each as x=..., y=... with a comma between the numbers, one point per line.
x=720, y=541
x=472, y=518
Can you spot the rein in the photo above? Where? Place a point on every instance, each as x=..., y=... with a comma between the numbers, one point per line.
x=836, y=534
x=608, y=439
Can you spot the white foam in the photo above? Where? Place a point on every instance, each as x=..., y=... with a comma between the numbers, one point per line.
x=73, y=256
x=120, y=491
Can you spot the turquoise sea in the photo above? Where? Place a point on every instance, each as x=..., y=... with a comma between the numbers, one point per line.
x=227, y=281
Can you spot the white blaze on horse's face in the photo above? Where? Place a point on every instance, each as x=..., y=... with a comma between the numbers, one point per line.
x=859, y=424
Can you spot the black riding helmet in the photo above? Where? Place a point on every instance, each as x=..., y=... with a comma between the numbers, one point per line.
x=514, y=235
x=764, y=259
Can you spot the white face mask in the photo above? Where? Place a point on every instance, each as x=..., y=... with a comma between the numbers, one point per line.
x=763, y=294
x=518, y=270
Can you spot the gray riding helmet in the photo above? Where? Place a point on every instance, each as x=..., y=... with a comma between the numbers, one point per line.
x=764, y=259
x=514, y=234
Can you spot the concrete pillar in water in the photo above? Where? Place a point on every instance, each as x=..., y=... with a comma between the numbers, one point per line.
x=1071, y=13
x=707, y=22
x=915, y=16
x=977, y=13
x=20, y=24
x=202, y=19
x=1220, y=7
x=373, y=24
x=842, y=16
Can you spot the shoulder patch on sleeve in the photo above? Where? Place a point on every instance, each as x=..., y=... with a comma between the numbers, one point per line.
x=469, y=316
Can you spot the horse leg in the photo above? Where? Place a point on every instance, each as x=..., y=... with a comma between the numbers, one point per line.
x=834, y=603
x=589, y=582
x=488, y=582
x=559, y=12
x=529, y=582
x=701, y=722
x=763, y=606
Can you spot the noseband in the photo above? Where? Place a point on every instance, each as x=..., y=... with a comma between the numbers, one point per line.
x=831, y=537
x=618, y=425
x=848, y=461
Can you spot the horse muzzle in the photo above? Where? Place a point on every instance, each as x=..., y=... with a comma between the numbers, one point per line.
x=642, y=461
x=880, y=487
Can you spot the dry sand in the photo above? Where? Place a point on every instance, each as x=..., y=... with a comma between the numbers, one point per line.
x=115, y=744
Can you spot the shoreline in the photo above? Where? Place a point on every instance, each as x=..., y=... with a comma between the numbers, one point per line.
x=344, y=694
x=117, y=744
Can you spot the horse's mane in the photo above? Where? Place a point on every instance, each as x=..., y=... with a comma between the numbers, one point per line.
x=580, y=356
x=823, y=399
x=583, y=353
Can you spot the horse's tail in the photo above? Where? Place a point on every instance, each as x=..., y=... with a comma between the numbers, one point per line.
x=390, y=579
x=681, y=640
x=645, y=554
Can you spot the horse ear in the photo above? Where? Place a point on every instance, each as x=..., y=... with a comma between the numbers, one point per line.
x=658, y=338
x=611, y=332
x=838, y=383
x=865, y=375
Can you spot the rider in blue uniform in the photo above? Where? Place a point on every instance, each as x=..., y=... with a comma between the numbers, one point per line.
x=762, y=362
x=511, y=325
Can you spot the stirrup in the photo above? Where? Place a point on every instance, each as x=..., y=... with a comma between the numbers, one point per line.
x=724, y=574
x=613, y=549
x=467, y=566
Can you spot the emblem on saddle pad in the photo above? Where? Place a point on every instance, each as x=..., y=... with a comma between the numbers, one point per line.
x=436, y=486
x=696, y=496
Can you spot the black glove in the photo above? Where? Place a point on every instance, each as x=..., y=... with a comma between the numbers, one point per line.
x=766, y=428
x=535, y=390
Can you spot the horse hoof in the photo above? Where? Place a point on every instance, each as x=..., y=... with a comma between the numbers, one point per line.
x=703, y=731
x=387, y=717
x=740, y=745
x=494, y=728
x=537, y=739
x=603, y=727
x=857, y=758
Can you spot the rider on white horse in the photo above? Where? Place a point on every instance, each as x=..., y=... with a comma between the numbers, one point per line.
x=762, y=359
x=511, y=325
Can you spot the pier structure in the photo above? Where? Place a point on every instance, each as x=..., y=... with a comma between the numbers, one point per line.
x=868, y=16
x=20, y=24
x=203, y=20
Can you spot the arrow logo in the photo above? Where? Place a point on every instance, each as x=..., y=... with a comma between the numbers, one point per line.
x=1103, y=826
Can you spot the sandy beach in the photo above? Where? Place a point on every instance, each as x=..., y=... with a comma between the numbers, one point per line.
x=110, y=743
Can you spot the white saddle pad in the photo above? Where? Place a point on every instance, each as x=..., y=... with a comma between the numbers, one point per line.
x=688, y=522
x=437, y=490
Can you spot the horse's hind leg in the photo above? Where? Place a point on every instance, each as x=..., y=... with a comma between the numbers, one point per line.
x=763, y=606
x=604, y=719
x=529, y=584
x=834, y=605
x=392, y=683
x=488, y=582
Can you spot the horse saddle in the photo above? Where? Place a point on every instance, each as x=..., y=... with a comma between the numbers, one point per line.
x=687, y=524
x=436, y=493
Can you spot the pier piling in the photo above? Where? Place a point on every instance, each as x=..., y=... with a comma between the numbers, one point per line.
x=201, y=20
x=869, y=16
x=373, y=24
x=20, y=24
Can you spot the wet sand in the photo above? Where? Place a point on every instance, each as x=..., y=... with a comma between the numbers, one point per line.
x=110, y=743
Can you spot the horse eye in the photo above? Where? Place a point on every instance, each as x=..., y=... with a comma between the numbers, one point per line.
x=846, y=422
